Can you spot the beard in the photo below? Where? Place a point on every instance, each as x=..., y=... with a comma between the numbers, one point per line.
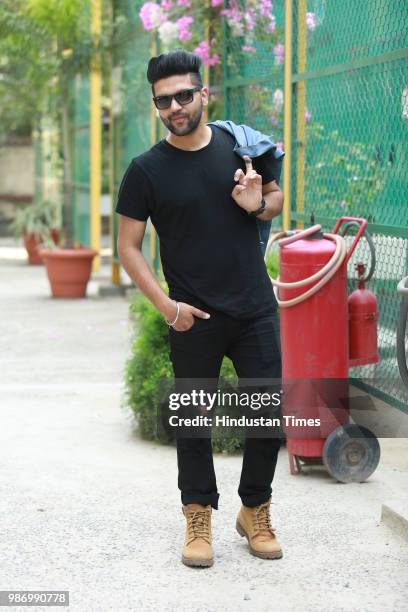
x=189, y=126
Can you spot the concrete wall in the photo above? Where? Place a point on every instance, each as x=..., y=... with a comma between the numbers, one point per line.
x=16, y=170
x=16, y=180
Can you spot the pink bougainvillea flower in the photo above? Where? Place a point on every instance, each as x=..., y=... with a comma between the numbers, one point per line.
x=234, y=19
x=248, y=48
x=204, y=52
x=250, y=19
x=265, y=8
x=311, y=22
x=232, y=14
x=183, y=24
x=216, y=2
x=184, y=35
x=151, y=15
x=186, y=3
x=272, y=24
x=279, y=53
x=166, y=4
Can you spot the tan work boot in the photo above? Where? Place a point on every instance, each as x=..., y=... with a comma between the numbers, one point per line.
x=197, y=550
x=255, y=525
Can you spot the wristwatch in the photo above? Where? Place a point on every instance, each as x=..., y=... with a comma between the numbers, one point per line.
x=255, y=213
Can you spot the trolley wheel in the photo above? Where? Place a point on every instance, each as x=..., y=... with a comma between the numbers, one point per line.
x=351, y=453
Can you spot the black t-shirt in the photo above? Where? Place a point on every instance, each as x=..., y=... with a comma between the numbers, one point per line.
x=209, y=246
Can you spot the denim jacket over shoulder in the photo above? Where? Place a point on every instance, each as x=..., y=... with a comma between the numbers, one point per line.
x=254, y=144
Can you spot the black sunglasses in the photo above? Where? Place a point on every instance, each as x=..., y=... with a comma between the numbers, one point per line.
x=185, y=96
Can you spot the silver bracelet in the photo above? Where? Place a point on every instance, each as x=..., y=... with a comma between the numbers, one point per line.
x=177, y=316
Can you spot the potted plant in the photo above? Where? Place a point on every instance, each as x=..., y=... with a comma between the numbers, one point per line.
x=36, y=223
x=63, y=29
x=68, y=267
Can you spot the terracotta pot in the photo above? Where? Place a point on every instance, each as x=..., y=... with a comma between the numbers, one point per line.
x=68, y=270
x=33, y=244
x=55, y=234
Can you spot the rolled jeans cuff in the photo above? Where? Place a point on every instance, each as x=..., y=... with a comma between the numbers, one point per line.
x=201, y=498
x=255, y=500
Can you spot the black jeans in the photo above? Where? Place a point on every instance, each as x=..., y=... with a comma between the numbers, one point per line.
x=253, y=345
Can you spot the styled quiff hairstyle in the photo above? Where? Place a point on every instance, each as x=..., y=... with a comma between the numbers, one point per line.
x=175, y=62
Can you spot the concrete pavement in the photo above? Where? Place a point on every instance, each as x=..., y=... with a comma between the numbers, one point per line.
x=88, y=507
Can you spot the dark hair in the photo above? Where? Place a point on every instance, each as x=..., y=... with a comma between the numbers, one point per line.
x=175, y=62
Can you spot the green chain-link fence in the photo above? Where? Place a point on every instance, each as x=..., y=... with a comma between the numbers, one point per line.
x=349, y=123
x=252, y=83
x=355, y=126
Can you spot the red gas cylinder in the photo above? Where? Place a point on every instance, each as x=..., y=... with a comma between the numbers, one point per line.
x=315, y=345
x=363, y=318
x=316, y=332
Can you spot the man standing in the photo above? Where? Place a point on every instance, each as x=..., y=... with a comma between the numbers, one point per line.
x=203, y=201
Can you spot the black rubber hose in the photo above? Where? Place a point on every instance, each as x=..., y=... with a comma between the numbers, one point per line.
x=401, y=331
x=370, y=241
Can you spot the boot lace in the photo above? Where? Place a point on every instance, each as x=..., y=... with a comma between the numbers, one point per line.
x=262, y=520
x=198, y=523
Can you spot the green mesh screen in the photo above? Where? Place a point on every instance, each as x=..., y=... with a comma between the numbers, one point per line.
x=80, y=114
x=131, y=100
x=44, y=172
x=51, y=167
x=355, y=122
x=252, y=83
x=48, y=167
x=49, y=155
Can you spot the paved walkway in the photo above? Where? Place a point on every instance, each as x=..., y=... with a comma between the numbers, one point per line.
x=88, y=507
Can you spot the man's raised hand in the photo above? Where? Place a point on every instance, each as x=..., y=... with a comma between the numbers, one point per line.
x=248, y=193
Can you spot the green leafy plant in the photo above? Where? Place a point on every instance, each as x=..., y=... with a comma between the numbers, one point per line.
x=43, y=45
x=342, y=177
x=39, y=219
x=272, y=264
x=148, y=367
